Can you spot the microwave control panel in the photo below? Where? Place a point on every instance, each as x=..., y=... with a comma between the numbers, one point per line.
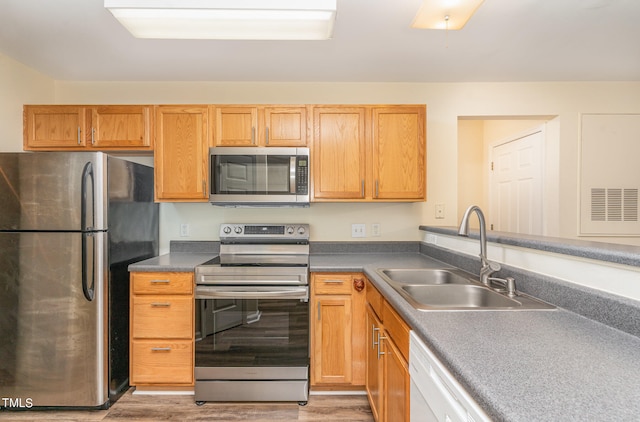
x=302, y=175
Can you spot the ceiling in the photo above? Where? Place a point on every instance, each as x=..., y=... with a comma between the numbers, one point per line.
x=506, y=40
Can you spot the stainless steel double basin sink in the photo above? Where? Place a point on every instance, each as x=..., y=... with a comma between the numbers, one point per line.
x=453, y=290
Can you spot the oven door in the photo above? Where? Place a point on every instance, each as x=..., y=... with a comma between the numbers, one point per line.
x=252, y=330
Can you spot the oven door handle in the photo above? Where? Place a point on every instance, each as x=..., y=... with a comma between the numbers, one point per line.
x=236, y=293
x=218, y=280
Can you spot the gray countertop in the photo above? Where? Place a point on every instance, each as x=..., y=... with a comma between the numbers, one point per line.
x=174, y=261
x=519, y=365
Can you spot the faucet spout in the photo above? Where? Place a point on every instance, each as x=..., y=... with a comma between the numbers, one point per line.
x=487, y=268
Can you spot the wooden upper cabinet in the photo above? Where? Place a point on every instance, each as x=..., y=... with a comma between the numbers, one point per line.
x=236, y=126
x=339, y=152
x=54, y=127
x=62, y=127
x=122, y=127
x=369, y=153
x=182, y=153
x=266, y=126
x=285, y=126
x=399, y=152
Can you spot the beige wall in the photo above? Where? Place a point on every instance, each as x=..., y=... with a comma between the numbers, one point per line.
x=19, y=85
x=445, y=103
x=471, y=167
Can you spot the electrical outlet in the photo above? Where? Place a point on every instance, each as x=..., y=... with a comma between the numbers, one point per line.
x=358, y=230
x=439, y=211
x=184, y=230
x=375, y=229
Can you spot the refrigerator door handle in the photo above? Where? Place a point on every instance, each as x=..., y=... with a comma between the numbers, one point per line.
x=87, y=288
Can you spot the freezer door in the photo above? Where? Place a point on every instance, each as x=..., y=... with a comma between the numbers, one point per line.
x=44, y=191
x=52, y=351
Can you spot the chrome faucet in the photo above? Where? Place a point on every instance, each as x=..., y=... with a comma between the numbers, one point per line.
x=487, y=268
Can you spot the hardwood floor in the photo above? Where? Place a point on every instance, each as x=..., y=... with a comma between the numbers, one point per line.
x=149, y=408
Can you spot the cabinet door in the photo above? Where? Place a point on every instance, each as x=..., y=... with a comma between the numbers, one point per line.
x=181, y=153
x=339, y=152
x=236, y=126
x=398, y=136
x=54, y=127
x=332, y=340
x=397, y=384
x=375, y=369
x=122, y=127
x=285, y=126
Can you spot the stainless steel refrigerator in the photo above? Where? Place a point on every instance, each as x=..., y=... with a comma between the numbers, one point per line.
x=70, y=224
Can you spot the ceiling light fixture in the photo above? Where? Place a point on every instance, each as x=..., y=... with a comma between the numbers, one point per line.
x=445, y=14
x=226, y=19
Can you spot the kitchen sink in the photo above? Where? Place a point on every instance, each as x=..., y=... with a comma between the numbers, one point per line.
x=453, y=290
x=426, y=276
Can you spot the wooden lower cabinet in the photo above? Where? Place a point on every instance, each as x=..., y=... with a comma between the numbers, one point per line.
x=396, y=391
x=388, y=381
x=375, y=368
x=337, y=331
x=162, y=334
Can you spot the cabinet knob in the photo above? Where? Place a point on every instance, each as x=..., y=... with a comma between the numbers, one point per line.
x=358, y=284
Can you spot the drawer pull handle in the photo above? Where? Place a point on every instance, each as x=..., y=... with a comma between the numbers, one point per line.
x=334, y=281
x=160, y=281
x=160, y=304
x=161, y=349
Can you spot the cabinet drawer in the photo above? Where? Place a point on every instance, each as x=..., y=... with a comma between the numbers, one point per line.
x=332, y=283
x=397, y=329
x=161, y=362
x=162, y=317
x=162, y=283
x=374, y=298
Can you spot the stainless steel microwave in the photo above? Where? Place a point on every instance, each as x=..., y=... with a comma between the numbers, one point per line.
x=259, y=176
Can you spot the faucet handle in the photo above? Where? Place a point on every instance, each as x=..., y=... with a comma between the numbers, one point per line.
x=508, y=285
x=493, y=266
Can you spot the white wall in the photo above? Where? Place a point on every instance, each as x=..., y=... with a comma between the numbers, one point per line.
x=19, y=85
x=445, y=103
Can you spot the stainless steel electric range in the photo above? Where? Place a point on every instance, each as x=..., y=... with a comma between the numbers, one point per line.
x=252, y=316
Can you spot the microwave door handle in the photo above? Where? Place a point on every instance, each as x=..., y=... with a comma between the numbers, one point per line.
x=292, y=174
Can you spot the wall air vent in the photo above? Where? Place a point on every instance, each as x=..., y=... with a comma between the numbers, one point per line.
x=614, y=204
x=609, y=175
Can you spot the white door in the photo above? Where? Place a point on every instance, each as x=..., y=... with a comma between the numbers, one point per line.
x=516, y=185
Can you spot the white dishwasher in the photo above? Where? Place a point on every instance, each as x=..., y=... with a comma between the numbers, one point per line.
x=435, y=394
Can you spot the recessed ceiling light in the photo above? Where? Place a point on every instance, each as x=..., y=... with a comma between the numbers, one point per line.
x=445, y=14
x=226, y=19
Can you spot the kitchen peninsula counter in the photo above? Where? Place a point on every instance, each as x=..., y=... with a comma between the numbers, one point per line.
x=518, y=365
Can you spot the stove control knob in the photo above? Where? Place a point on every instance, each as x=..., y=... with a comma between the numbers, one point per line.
x=301, y=230
x=290, y=230
x=226, y=229
x=238, y=229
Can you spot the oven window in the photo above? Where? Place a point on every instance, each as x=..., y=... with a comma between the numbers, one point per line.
x=252, y=332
